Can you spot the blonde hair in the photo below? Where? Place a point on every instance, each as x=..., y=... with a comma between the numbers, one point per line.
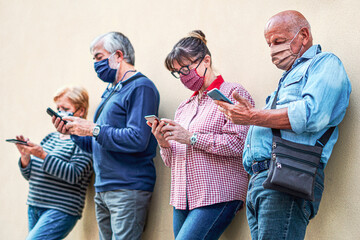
x=78, y=96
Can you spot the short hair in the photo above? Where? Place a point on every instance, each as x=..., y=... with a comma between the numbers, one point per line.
x=113, y=41
x=78, y=96
x=188, y=49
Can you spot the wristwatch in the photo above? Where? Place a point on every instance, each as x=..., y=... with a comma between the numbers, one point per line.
x=96, y=131
x=193, y=139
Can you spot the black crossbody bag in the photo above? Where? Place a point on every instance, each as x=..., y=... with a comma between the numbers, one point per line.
x=293, y=166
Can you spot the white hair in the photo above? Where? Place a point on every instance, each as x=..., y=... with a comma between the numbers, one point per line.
x=114, y=41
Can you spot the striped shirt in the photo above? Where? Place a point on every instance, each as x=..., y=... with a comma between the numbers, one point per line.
x=211, y=170
x=61, y=179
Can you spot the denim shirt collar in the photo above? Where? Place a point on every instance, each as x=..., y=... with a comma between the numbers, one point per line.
x=309, y=54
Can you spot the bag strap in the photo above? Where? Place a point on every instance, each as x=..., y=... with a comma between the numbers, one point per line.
x=103, y=105
x=321, y=142
x=120, y=85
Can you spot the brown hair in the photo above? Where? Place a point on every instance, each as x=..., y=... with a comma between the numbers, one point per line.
x=78, y=96
x=188, y=49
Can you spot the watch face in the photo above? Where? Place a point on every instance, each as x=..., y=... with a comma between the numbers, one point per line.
x=96, y=131
x=193, y=139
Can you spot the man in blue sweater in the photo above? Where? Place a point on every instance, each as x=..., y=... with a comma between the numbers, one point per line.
x=122, y=145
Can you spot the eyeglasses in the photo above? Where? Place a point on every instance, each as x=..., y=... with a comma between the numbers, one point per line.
x=185, y=70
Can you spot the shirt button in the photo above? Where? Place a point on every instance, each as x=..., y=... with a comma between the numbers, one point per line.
x=248, y=145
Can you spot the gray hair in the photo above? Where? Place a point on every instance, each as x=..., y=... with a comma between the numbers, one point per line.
x=114, y=41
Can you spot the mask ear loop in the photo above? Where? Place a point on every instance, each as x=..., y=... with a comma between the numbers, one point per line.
x=298, y=54
x=205, y=72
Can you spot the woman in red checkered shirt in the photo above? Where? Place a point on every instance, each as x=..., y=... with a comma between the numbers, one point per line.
x=202, y=147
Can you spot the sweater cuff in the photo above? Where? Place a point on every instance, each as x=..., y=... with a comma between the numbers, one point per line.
x=102, y=134
x=24, y=169
x=47, y=163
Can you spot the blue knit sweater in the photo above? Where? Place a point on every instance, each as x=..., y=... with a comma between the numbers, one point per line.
x=124, y=150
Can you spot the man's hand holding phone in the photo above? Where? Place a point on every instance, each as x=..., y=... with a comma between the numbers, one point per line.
x=240, y=113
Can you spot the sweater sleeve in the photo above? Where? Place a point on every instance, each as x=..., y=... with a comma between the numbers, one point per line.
x=25, y=171
x=142, y=101
x=85, y=143
x=72, y=171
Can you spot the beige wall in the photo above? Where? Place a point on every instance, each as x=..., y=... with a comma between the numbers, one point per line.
x=44, y=45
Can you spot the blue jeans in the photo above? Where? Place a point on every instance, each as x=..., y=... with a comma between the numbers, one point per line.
x=207, y=222
x=48, y=224
x=275, y=215
x=121, y=214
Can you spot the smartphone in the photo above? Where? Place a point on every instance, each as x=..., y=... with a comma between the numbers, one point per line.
x=215, y=94
x=16, y=141
x=53, y=113
x=151, y=118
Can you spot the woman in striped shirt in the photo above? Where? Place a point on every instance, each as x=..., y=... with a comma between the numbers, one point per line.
x=58, y=173
x=202, y=147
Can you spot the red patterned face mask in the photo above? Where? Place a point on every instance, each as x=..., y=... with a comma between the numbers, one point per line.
x=193, y=80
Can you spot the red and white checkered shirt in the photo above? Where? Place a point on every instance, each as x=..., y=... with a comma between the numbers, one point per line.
x=211, y=170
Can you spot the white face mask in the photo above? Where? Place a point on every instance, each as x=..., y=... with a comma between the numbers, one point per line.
x=282, y=55
x=65, y=114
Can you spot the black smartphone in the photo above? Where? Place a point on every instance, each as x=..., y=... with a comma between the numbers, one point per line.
x=16, y=141
x=53, y=113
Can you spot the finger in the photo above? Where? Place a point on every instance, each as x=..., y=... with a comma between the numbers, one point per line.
x=149, y=124
x=223, y=104
x=60, y=124
x=153, y=126
x=221, y=109
x=69, y=119
x=57, y=122
x=168, y=121
x=53, y=119
x=168, y=127
x=239, y=98
x=31, y=144
x=169, y=136
x=69, y=125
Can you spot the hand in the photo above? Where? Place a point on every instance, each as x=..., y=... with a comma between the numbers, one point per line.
x=29, y=149
x=59, y=125
x=156, y=129
x=79, y=126
x=25, y=157
x=240, y=113
x=174, y=131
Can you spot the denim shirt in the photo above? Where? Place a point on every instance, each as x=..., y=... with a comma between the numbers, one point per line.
x=316, y=92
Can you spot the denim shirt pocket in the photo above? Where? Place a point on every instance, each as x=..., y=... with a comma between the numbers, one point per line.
x=291, y=90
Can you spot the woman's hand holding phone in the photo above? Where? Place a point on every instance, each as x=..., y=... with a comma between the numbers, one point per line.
x=60, y=125
x=156, y=129
x=30, y=149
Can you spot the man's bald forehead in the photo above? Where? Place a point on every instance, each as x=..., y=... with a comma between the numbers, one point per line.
x=287, y=20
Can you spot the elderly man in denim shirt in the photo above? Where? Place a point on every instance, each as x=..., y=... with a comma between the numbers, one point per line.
x=313, y=96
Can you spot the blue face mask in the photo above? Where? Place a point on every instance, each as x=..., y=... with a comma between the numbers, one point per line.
x=104, y=71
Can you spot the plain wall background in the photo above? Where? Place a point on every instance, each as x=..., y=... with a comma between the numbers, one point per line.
x=45, y=45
